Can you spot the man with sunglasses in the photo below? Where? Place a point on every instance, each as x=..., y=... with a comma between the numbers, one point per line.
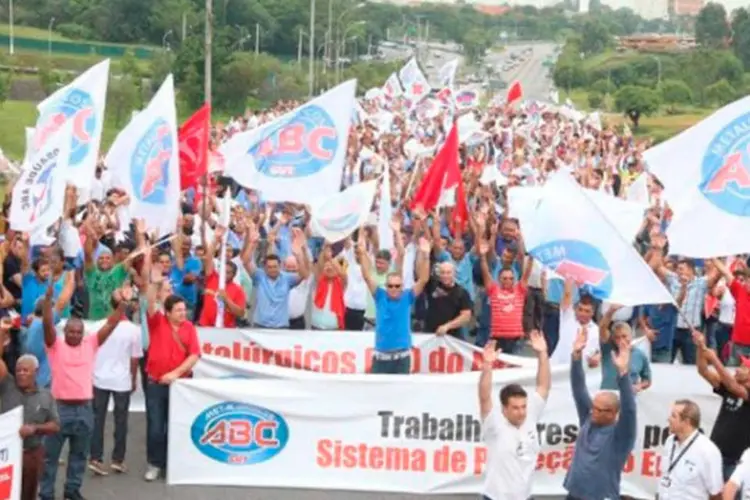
x=393, y=311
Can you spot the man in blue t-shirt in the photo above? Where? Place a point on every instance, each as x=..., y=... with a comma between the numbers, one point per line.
x=393, y=311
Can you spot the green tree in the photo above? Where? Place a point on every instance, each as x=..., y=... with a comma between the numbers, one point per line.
x=603, y=86
x=475, y=43
x=50, y=79
x=122, y=98
x=595, y=100
x=6, y=83
x=676, y=92
x=720, y=93
x=711, y=27
x=569, y=75
x=741, y=36
x=635, y=101
x=595, y=37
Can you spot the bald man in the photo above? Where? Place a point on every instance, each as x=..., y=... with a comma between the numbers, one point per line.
x=607, y=428
x=448, y=303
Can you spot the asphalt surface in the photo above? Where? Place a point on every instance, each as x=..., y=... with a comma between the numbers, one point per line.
x=132, y=485
x=533, y=77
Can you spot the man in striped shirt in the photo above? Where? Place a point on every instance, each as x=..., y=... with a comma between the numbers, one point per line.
x=506, y=298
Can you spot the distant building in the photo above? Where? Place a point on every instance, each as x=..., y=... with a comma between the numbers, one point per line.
x=656, y=43
x=689, y=8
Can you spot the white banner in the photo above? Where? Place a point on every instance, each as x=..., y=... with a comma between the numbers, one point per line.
x=11, y=454
x=336, y=352
x=411, y=434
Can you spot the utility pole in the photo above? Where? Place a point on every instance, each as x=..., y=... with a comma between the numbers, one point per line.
x=184, y=27
x=311, y=68
x=208, y=49
x=299, y=49
x=257, y=38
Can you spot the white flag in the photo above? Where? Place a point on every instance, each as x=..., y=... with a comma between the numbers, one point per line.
x=447, y=74
x=144, y=160
x=298, y=157
x=81, y=102
x=571, y=236
x=706, y=175
x=39, y=194
x=339, y=216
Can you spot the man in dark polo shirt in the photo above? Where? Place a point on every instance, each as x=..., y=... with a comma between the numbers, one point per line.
x=448, y=303
x=39, y=416
x=731, y=433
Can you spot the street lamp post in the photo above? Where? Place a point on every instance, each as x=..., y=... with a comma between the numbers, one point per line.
x=11, y=37
x=311, y=66
x=207, y=48
x=163, y=39
x=658, y=71
x=49, y=37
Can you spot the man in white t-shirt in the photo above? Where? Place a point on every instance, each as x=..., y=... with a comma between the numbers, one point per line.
x=510, y=430
x=573, y=320
x=115, y=370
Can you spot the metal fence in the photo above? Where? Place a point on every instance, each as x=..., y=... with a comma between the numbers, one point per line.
x=76, y=48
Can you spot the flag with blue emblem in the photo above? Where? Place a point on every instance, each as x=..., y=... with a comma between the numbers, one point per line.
x=144, y=160
x=81, y=102
x=39, y=193
x=568, y=234
x=706, y=176
x=339, y=216
x=300, y=156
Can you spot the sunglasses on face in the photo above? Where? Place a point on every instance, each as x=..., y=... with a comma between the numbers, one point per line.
x=393, y=286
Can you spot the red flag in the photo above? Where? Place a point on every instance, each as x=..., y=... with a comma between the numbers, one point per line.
x=515, y=92
x=444, y=173
x=194, y=136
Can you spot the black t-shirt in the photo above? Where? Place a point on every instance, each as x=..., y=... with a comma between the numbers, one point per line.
x=731, y=433
x=444, y=304
x=11, y=267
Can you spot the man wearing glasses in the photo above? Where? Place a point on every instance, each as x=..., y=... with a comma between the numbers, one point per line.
x=607, y=429
x=393, y=311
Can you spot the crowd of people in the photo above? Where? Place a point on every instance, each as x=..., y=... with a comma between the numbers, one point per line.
x=147, y=295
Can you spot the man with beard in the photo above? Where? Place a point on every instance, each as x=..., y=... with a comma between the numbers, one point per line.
x=731, y=432
x=448, y=303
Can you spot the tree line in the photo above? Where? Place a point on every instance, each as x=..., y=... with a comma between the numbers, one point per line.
x=714, y=74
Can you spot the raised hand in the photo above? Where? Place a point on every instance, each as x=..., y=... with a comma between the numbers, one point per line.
x=537, y=342
x=489, y=354
x=621, y=358
x=424, y=245
x=581, y=339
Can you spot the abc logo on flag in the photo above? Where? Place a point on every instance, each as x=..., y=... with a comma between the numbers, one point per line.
x=303, y=146
x=78, y=106
x=579, y=261
x=726, y=168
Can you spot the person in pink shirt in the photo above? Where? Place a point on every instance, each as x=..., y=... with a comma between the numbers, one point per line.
x=71, y=358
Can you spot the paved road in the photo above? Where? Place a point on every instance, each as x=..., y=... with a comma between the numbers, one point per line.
x=131, y=485
x=532, y=74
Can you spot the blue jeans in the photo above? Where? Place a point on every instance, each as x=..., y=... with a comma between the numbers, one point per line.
x=76, y=426
x=661, y=355
x=121, y=408
x=551, y=326
x=510, y=346
x=401, y=366
x=683, y=343
x=722, y=333
x=157, y=423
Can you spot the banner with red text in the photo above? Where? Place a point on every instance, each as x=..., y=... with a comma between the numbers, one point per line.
x=340, y=352
x=11, y=454
x=390, y=433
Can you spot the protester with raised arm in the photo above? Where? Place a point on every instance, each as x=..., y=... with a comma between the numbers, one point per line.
x=393, y=311
x=71, y=357
x=621, y=334
x=510, y=430
x=607, y=429
x=731, y=433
